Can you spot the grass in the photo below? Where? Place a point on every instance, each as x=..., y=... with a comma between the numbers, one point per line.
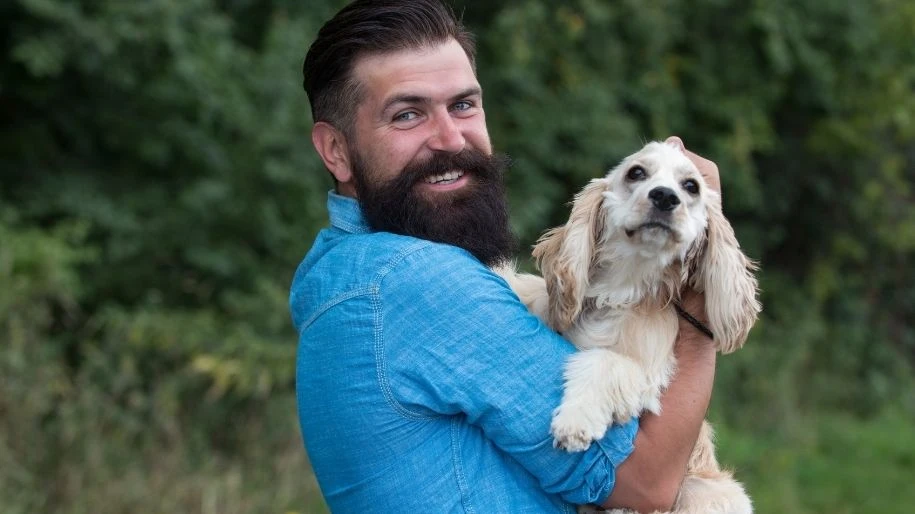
x=818, y=463
x=831, y=463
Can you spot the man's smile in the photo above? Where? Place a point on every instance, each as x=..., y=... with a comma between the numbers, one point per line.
x=445, y=178
x=447, y=181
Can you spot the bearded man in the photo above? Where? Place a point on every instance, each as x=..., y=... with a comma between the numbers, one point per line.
x=423, y=383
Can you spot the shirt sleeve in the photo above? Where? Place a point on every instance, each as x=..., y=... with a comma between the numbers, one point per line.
x=456, y=339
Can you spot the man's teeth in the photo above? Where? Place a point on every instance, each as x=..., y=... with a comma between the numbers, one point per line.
x=446, y=178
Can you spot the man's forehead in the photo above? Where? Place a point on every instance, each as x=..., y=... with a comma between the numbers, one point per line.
x=422, y=71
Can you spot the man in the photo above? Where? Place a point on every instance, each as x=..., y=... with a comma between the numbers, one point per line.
x=423, y=383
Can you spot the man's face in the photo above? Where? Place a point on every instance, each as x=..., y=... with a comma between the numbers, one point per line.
x=421, y=157
x=417, y=102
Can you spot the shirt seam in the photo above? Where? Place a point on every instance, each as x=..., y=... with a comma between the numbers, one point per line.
x=345, y=215
x=624, y=450
x=379, y=343
x=340, y=298
x=350, y=228
x=459, y=468
x=615, y=450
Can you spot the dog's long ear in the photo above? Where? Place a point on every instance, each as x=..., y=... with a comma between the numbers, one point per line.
x=565, y=255
x=726, y=276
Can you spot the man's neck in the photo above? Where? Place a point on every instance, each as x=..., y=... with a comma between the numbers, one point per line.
x=346, y=189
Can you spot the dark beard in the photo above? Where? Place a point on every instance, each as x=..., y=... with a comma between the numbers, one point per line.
x=474, y=217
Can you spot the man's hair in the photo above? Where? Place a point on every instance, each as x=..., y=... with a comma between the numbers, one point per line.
x=371, y=27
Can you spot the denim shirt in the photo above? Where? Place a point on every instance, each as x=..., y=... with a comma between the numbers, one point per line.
x=424, y=385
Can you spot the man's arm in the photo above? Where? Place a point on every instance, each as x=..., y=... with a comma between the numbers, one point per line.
x=650, y=478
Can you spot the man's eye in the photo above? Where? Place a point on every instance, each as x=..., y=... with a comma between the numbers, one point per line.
x=463, y=105
x=691, y=186
x=406, y=116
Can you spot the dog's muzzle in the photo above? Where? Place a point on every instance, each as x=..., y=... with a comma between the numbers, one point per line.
x=664, y=198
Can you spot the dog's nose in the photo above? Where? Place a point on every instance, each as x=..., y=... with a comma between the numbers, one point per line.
x=664, y=198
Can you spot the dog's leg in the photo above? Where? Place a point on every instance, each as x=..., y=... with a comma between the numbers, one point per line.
x=531, y=290
x=718, y=495
x=601, y=387
x=707, y=489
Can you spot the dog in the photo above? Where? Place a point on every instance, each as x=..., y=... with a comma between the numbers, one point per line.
x=611, y=282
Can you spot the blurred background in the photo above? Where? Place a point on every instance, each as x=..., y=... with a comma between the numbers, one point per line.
x=158, y=188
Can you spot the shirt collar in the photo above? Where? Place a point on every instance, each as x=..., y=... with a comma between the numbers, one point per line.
x=345, y=214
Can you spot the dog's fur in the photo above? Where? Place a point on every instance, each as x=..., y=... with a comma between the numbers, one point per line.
x=610, y=278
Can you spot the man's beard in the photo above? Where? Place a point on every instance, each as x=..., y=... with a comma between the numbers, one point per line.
x=474, y=217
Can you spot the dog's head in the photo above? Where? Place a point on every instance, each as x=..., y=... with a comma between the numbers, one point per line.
x=655, y=205
x=647, y=228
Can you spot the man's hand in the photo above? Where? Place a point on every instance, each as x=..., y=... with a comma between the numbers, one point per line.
x=707, y=168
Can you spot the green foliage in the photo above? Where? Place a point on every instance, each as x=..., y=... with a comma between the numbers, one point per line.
x=158, y=188
x=806, y=107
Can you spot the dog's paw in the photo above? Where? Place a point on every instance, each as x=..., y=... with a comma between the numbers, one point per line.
x=625, y=404
x=624, y=413
x=651, y=402
x=574, y=429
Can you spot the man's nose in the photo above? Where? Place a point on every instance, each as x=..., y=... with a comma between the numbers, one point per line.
x=447, y=137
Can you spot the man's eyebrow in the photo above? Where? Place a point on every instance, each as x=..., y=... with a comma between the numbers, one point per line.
x=470, y=91
x=409, y=98
x=406, y=98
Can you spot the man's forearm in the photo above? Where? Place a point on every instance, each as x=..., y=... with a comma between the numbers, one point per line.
x=650, y=478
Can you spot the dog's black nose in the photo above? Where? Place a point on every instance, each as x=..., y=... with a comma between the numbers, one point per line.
x=664, y=198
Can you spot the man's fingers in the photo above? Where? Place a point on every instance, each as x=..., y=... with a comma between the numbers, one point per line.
x=676, y=141
x=707, y=168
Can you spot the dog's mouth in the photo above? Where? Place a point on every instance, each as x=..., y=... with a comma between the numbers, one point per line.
x=651, y=225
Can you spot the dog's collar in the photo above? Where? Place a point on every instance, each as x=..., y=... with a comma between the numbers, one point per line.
x=693, y=321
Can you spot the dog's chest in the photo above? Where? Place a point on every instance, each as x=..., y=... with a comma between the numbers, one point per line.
x=645, y=336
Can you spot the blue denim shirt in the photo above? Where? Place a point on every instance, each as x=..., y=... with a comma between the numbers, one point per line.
x=424, y=385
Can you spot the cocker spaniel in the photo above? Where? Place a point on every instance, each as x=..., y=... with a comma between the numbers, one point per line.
x=611, y=282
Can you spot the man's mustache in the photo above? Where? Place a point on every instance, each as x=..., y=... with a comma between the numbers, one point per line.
x=487, y=167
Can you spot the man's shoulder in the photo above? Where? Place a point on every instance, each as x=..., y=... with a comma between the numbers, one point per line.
x=380, y=263
x=375, y=255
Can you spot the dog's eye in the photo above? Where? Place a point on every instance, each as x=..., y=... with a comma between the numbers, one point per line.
x=636, y=173
x=691, y=186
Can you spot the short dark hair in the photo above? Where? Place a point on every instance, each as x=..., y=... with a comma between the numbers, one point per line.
x=371, y=27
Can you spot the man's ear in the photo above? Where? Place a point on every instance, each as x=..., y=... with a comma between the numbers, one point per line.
x=331, y=146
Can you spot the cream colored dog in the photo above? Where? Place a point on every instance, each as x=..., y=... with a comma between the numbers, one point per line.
x=611, y=278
